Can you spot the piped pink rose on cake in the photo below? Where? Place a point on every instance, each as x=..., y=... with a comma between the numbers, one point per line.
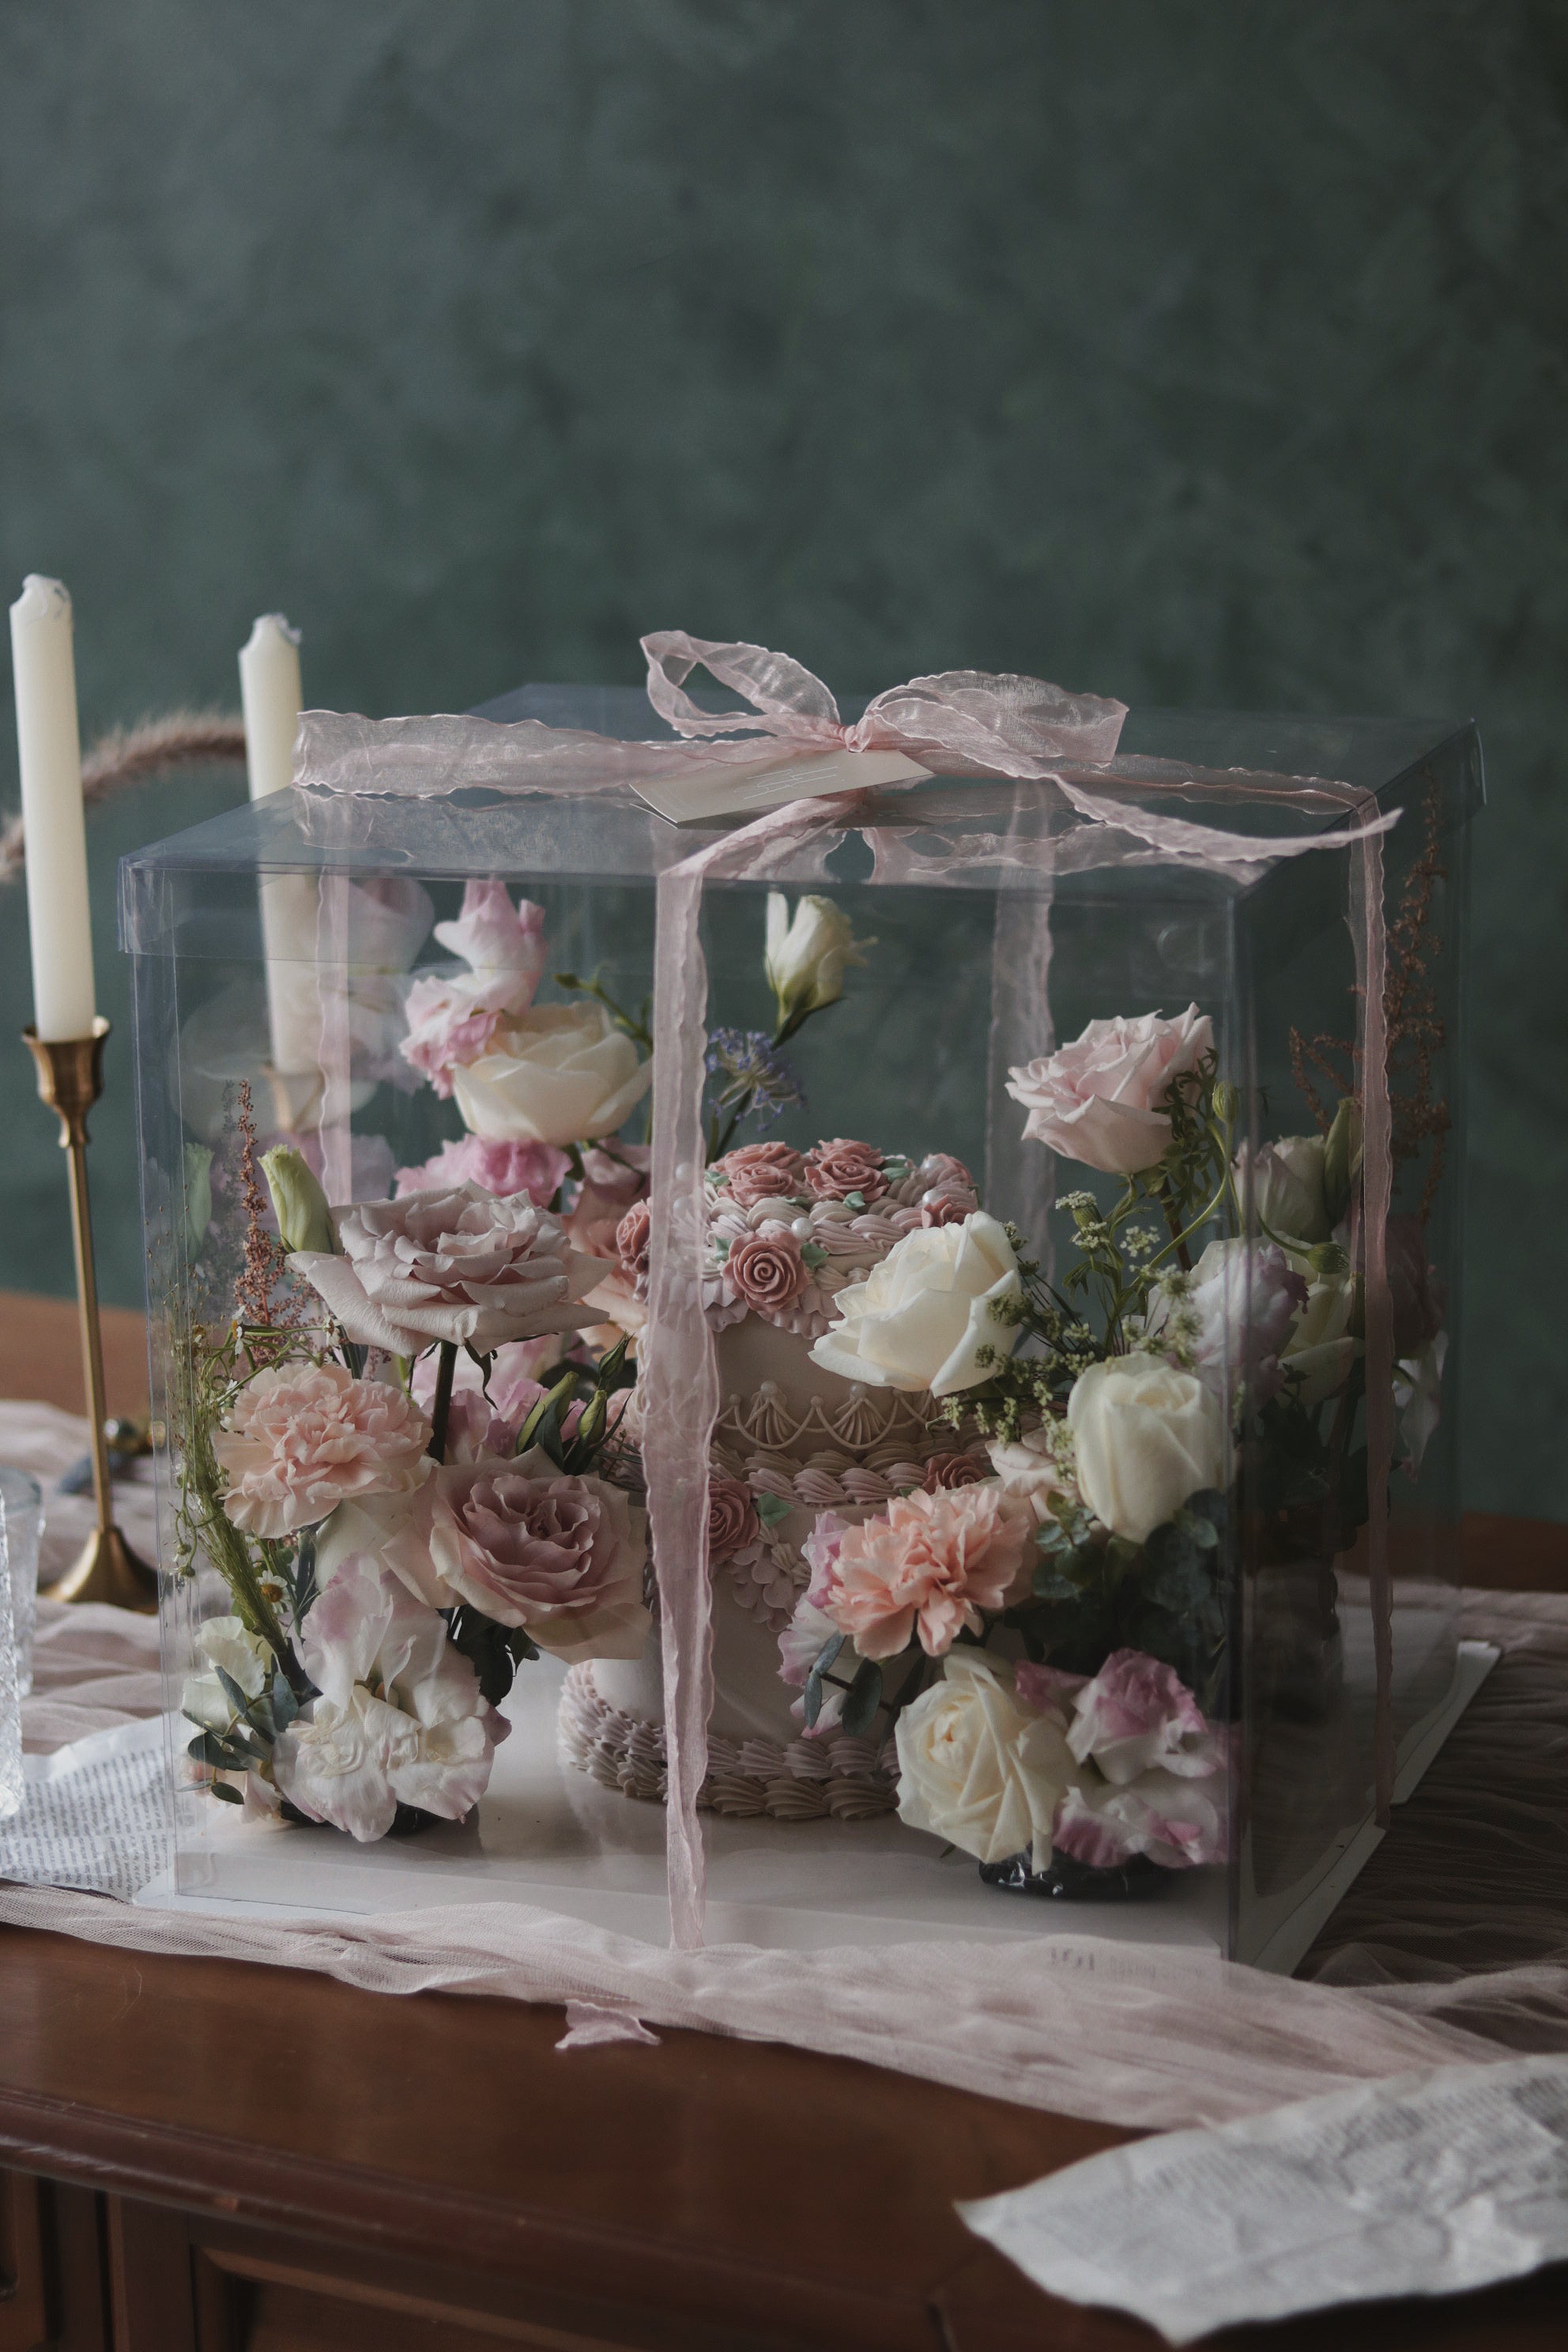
x=760, y=1171
x=1098, y=1100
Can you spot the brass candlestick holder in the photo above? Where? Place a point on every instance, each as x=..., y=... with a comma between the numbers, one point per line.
x=70, y=1079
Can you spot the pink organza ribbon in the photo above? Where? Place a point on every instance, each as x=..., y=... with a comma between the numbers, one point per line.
x=956, y=722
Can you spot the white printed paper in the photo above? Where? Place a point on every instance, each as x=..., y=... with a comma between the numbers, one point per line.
x=94, y=1814
x=1421, y=2184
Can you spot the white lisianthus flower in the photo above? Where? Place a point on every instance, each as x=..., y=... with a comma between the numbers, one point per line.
x=244, y=1657
x=560, y=1073
x=1145, y=1437
x=1318, y=1356
x=1286, y=1187
x=979, y=1770
x=921, y=1318
x=806, y=959
x=1229, y=1319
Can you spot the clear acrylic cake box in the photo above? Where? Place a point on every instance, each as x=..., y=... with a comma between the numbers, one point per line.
x=1055, y=1515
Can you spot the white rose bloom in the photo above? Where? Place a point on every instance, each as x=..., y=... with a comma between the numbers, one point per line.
x=1146, y=1436
x=244, y=1657
x=921, y=1318
x=1321, y=1346
x=804, y=959
x=1419, y=1399
x=561, y=1074
x=1288, y=1187
x=977, y=1768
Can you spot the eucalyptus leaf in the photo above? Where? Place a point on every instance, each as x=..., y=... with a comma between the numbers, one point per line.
x=863, y=1698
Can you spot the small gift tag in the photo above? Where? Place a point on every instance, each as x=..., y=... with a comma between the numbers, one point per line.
x=715, y=791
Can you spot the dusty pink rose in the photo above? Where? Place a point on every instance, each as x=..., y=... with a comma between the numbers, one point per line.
x=304, y=1438
x=1097, y=1100
x=732, y=1516
x=760, y=1172
x=767, y=1271
x=837, y=1169
x=948, y=1470
x=561, y=1556
x=1136, y=1714
x=502, y=1169
x=632, y=1239
x=452, y=1021
x=928, y=1566
x=454, y=1264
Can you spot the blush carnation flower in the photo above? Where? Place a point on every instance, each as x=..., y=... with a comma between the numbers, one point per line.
x=1097, y=1099
x=502, y=1168
x=927, y=1567
x=303, y=1438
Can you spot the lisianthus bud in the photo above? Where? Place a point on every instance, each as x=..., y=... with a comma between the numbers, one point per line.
x=806, y=956
x=1226, y=1099
x=299, y=1204
x=1342, y=1158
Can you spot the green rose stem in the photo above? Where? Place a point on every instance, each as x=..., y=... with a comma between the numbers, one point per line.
x=441, y=1412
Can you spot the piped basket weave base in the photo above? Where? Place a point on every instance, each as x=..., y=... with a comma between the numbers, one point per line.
x=836, y=1777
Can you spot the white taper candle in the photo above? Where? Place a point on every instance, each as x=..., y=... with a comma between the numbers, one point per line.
x=59, y=920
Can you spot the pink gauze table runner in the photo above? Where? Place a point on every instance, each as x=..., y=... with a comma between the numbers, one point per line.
x=1453, y=1948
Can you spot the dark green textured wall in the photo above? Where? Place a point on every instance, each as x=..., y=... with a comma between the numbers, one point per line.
x=1195, y=352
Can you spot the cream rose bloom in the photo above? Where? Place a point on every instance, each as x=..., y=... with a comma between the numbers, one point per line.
x=1096, y=1100
x=561, y=1074
x=921, y=1318
x=977, y=1768
x=1288, y=1187
x=1145, y=1437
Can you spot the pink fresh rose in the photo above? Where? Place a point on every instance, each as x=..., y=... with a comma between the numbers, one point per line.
x=399, y=1720
x=1178, y=1823
x=561, y=1556
x=1097, y=1100
x=617, y=1171
x=1138, y=1714
x=306, y=1437
x=837, y=1169
x=766, y=1270
x=537, y=1169
x=928, y=1566
x=632, y=1240
x=453, y=1020
x=732, y=1516
x=760, y=1172
x=454, y=1264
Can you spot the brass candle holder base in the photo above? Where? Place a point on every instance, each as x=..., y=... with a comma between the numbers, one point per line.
x=70, y=1079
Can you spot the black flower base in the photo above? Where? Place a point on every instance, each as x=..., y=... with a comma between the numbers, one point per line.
x=1066, y=1881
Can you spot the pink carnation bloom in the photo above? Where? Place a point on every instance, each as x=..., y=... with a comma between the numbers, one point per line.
x=1177, y=1823
x=1156, y=1771
x=928, y=1565
x=400, y=1720
x=1138, y=1713
x=304, y=1438
x=537, y=1169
